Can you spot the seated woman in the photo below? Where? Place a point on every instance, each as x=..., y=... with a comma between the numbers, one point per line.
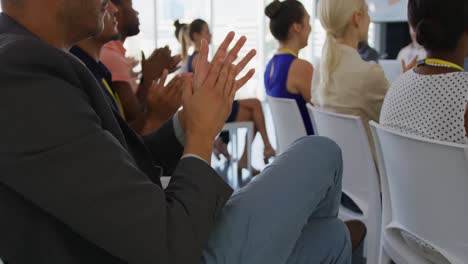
x=286, y=75
x=183, y=37
x=242, y=110
x=431, y=100
x=344, y=83
x=409, y=55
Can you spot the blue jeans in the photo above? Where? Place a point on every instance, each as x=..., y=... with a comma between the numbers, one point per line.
x=287, y=214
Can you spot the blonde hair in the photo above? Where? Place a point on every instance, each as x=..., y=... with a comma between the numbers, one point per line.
x=334, y=16
x=185, y=42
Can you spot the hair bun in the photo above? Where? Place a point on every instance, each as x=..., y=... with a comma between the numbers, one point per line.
x=430, y=33
x=177, y=23
x=273, y=9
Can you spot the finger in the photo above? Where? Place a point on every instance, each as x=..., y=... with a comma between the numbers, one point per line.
x=176, y=59
x=222, y=78
x=230, y=81
x=241, y=82
x=222, y=50
x=243, y=63
x=155, y=53
x=202, y=55
x=162, y=79
x=213, y=74
x=172, y=70
x=232, y=55
x=403, y=65
x=187, y=91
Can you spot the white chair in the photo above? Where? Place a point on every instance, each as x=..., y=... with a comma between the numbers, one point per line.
x=233, y=129
x=425, y=193
x=289, y=125
x=360, y=178
x=392, y=69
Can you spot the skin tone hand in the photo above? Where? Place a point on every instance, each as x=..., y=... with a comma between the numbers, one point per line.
x=163, y=101
x=208, y=100
x=152, y=68
x=410, y=66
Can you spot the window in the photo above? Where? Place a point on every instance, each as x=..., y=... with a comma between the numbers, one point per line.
x=167, y=11
x=246, y=17
x=146, y=40
x=241, y=16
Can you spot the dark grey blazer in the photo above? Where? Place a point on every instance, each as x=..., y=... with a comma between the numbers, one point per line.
x=76, y=184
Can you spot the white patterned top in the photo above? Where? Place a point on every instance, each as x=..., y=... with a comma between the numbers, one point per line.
x=430, y=106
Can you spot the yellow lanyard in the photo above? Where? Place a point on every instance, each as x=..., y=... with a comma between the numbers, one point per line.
x=115, y=97
x=444, y=63
x=288, y=51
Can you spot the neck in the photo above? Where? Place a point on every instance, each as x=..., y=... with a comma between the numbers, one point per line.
x=92, y=46
x=45, y=27
x=450, y=56
x=197, y=46
x=291, y=45
x=348, y=40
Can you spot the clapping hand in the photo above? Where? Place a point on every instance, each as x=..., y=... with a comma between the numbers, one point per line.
x=208, y=101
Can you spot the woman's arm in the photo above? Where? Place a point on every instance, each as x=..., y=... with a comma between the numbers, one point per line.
x=300, y=78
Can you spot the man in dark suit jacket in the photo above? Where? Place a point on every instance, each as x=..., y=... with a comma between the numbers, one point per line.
x=72, y=170
x=77, y=185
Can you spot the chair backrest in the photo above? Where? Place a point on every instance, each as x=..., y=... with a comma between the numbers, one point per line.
x=360, y=178
x=289, y=125
x=425, y=190
x=392, y=69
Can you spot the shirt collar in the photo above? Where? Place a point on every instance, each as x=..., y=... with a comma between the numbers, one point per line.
x=96, y=67
x=118, y=46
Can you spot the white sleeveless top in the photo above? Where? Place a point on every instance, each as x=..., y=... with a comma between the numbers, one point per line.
x=430, y=106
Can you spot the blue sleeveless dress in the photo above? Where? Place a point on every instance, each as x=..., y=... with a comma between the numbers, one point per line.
x=276, y=85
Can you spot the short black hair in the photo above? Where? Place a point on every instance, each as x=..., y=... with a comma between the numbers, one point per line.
x=438, y=24
x=196, y=27
x=282, y=15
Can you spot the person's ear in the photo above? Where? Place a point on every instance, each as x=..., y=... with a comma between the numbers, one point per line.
x=356, y=19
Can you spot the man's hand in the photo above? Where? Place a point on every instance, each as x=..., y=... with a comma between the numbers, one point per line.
x=208, y=101
x=163, y=101
x=152, y=68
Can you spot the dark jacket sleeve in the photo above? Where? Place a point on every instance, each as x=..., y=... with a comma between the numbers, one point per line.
x=165, y=148
x=56, y=154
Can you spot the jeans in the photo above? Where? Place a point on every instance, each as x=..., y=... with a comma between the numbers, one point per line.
x=287, y=214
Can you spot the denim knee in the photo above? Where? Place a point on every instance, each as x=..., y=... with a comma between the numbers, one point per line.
x=320, y=150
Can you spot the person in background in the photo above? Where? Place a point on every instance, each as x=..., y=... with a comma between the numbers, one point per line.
x=84, y=188
x=368, y=53
x=466, y=64
x=182, y=34
x=243, y=110
x=162, y=101
x=286, y=75
x=409, y=55
x=343, y=82
x=431, y=100
x=113, y=56
x=413, y=103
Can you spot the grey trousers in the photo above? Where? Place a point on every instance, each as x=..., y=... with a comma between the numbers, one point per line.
x=287, y=214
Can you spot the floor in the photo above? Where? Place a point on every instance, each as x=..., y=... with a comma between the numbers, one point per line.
x=228, y=170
